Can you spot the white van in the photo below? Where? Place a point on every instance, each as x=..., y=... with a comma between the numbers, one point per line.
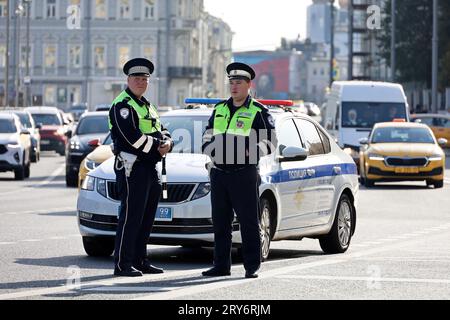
x=354, y=107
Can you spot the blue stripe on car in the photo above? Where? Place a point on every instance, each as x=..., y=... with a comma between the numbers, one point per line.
x=321, y=172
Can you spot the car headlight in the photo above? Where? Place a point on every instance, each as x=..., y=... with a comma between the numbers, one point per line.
x=90, y=164
x=101, y=187
x=374, y=156
x=435, y=157
x=88, y=184
x=202, y=190
x=74, y=145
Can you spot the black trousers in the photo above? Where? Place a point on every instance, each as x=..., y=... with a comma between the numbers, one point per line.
x=239, y=191
x=139, y=196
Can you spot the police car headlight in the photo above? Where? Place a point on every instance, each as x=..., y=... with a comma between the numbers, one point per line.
x=90, y=164
x=374, y=156
x=202, y=190
x=74, y=145
x=88, y=184
x=101, y=187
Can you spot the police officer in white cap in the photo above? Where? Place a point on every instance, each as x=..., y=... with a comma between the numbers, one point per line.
x=240, y=131
x=140, y=142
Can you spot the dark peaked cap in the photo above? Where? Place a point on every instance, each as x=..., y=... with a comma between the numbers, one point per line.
x=238, y=70
x=138, y=66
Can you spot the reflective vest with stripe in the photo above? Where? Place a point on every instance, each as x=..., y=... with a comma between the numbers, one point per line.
x=149, y=121
x=241, y=123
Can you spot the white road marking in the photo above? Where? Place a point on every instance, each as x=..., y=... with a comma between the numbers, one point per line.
x=130, y=289
x=372, y=242
x=42, y=211
x=365, y=279
x=31, y=240
x=6, y=243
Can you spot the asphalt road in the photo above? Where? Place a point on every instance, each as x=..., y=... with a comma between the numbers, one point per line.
x=401, y=250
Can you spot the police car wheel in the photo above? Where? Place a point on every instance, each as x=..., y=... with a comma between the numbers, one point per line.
x=98, y=247
x=338, y=240
x=264, y=222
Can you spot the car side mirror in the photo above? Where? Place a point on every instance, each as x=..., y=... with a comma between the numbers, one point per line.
x=442, y=142
x=94, y=143
x=363, y=141
x=291, y=154
x=24, y=131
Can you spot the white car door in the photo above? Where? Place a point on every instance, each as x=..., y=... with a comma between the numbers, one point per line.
x=322, y=168
x=295, y=190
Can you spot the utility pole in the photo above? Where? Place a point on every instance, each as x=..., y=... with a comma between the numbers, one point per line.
x=393, y=56
x=27, y=82
x=18, y=12
x=331, y=42
x=7, y=54
x=87, y=53
x=434, y=89
x=350, y=40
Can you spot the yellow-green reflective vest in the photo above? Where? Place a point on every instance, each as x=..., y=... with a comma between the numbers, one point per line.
x=149, y=121
x=241, y=123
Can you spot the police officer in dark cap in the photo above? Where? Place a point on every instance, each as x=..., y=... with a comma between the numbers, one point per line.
x=240, y=131
x=140, y=142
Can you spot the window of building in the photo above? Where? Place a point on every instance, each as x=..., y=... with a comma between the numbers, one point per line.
x=2, y=8
x=124, y=9
x=181, y=8
x=50, y=10
x=62, y=95
x=149, y=9
x=2, y=56
x=75, y=2
x=50, y=95
x=124, y=55
x=23, y=56
x=75, y=95
x=100, y=9
x=75, y=56
x=50, y=56
x=147, y=53
x=99, y=57
x=313, y=141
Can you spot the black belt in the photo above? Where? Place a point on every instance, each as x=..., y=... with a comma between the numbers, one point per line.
x=232, y=170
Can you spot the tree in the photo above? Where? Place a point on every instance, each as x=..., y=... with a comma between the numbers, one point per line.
x=414, y=33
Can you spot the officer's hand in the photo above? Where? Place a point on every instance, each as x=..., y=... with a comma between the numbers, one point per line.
x=164, y=148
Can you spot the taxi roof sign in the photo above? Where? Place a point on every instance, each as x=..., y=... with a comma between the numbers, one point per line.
x=398, y=120
x=286, y=103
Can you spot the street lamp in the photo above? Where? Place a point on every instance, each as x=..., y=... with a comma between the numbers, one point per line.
x=27, y=58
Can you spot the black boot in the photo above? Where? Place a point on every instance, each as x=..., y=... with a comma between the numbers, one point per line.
x=216, y=272
x=127, y=272
x=147, y=268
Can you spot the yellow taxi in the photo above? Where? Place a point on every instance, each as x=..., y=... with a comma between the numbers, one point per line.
x=94, y=159
x=439, y=124
x=398, y=151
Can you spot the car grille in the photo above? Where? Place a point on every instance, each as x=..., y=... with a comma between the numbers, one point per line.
x=176, y=192
x=379, y=172
x=406, y=162
x=3, y=149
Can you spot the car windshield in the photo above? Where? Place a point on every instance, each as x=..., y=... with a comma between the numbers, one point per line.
x=367, y=114
x=90, y=125
x=25, y=120
x=186, y=132
x=402, y=135
x=7, y=126
x=47, y=119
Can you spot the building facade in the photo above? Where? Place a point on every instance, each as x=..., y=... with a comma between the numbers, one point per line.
x=78, y=49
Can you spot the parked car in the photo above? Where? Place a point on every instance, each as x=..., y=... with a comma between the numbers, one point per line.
x=53, y=132
x=15, y=146
x=89, y=133
x=78, y=110
x=402, y=152
x=27, y=122
x=439, y=124
x=102, y=107
x=309, y=189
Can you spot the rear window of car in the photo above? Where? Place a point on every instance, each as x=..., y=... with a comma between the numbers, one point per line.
x=47, y=119
x=25, y=120
x=90, y=125
x=7, y=126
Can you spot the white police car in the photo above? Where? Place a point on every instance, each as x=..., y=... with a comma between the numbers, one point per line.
x=308, y=190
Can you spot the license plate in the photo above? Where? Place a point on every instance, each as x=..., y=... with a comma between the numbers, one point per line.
x=45, y=142
x=406, y=170
x=163, y=214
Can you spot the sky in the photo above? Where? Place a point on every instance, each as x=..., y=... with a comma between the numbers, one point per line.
x=260, y=24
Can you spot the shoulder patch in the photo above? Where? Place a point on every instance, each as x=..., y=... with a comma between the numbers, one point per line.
x=124, y=113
